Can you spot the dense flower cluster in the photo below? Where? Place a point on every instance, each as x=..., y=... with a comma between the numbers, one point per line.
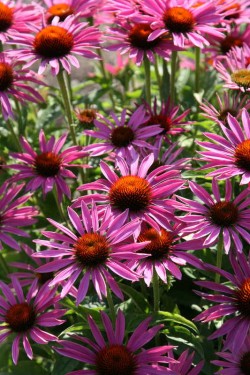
x=120, y=186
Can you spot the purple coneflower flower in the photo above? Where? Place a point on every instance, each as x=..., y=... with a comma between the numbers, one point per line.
x=123, y=137
x=235, y=363
x=65, y=8
x=137, y=193
x=56, y=44
x=185, y=367
x=132, y=38
x=230, y=153
x=233, y=299
x=182, y=20
x=12, y=216
x=215, y=217
x=15, y=82
x=14, y=17
x=234, y=12
x=49, y=167
x=229, y=103
x=97, y=247
x=28, y=275
x=235, y=71
x=23, y=316
x=167, y=117
x=165, y=253
x=113, y=356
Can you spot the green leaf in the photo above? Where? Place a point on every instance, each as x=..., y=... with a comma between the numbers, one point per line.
x=139, y=300
x=163, y=316
x=64, y=365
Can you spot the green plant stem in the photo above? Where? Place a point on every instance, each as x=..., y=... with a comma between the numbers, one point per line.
x=173, y=74
x=158, y=77
x=4, y=265
x=165, y=81
x=156, y=291
x=219, y=257
x=111, y=305
x=14, y=136
x=67, y=104
x=197, y=68
x=59, y=206
x=105, y=76
x=147, y=80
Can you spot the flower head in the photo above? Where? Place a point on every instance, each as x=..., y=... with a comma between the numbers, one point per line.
x=230, y=299
x=230, y=153
x=14, y=214
x=99, y=245
x=49, y=167
x=137, y=193
x=15, y=82
x=124, y=137
x=235, y=71
x=229, y=103
x=234, y=11
x=165, y=253
x=167, y=117
x=132, y=38
x=65, y=8
x=114, y=356
x=235, y=363
x=56, y=44
x=182, y=20
x=216, y=217
x=14, y=17
x=23, y=316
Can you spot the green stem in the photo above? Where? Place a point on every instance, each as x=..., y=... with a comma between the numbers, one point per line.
x=59, y=206
x=173, y=73
x=147, y=80
x=158, y=77
x=165, y=81
x=197, y=68
x=14, y=136
x=111, y=305
x=219, y=257
x=67, y=104
x=4, y=265
x=105, y=76
x=156, y=291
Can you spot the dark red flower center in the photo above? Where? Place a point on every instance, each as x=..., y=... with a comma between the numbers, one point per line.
x=122, y=136
x=223, y=214
x=138, y=37
x=178, y=20
x=245, y=363
x=131, y=192
x=241, y=77
x=47, y=164
x=115, y=360
x=229, y=42
x=243, y=298
x=160, y=245
x=6, y=76
x=53, y=42
x=6, y=17
x=86, y=116
x=223, y=114
x=234, y=9
x=91, y=249
x=44, y=277
x=242, y=155
x=20, y=317
x=163, y=120
x=60, y=10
